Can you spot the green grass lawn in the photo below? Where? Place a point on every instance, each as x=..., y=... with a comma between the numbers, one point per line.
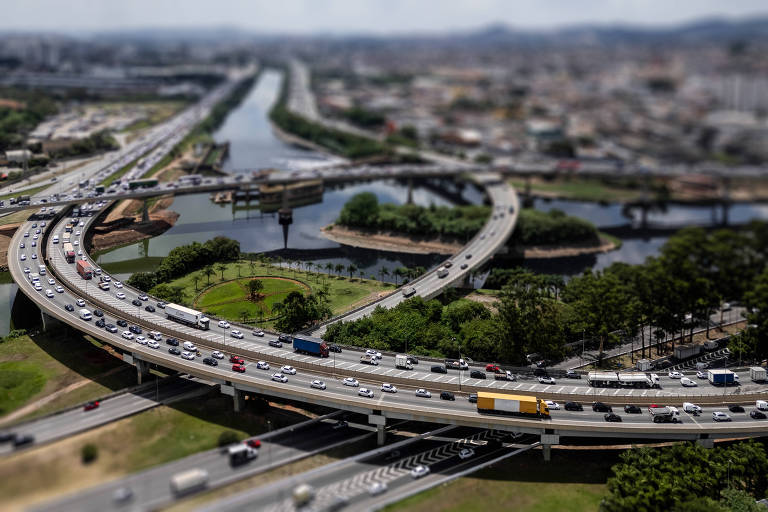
x=581, y=190
x=572, y=482
x=231, y=299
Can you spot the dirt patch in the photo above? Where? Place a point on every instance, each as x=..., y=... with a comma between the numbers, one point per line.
x=389, y=241
x=557, y=251
x=6, y=233
x=489, y=301
x=129, y=229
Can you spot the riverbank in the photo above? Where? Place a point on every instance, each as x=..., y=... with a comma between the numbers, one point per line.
x=393, y=242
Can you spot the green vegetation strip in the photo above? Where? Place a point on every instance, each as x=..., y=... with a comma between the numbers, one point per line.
x=28, y=192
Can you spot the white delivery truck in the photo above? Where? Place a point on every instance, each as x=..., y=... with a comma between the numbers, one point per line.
x=691, y=408
x=401, y=362
x=762, y=405
x=664, y=414
x=187, y=316
x=85, y=314
x=189, y=481
x=241, y=453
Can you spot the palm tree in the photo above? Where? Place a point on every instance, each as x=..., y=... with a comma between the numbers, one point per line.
x=329, y=267
x=351, y=268
x=361, y=273
x=383, y=272
x=339, y=268
x=397, y=273
x=196, y=279
x=208, y=271
x=238, y=266
x=221, y=268
x=243, y=315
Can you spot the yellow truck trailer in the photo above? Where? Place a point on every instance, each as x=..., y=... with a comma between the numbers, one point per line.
x=513, y=405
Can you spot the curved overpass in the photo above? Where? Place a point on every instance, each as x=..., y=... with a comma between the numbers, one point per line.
x=401, y=405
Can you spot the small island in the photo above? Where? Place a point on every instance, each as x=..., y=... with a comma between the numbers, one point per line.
x=364, y=222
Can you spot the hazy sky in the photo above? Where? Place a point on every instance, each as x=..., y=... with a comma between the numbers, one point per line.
x=343, y=16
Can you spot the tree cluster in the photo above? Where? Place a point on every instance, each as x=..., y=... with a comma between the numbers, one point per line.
x=95, y=143
x=298, y=311
x=16, y=123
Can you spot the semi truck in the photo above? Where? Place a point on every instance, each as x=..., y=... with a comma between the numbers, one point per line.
x=402, y=363
x=603, y=379
x=241, y=453
x=69, y=252
x=84, y=269
x=512, y=405
x=189, y=481
x=634, y=380
x=187, y=316
x=757, y=373
x=721, y=377
x=311, y=346
x=664, y=414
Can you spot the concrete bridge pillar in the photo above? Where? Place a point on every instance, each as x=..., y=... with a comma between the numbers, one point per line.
x=144, y=211
x=410, y=191
x=547, y=451
x=142, y=370
x=547, y=440
x=380, y=422
x=706, y=443
x=237, y=400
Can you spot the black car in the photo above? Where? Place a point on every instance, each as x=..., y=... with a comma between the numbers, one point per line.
x=97, y=312
x=172, y=341
x=275, y=343
x=110, y=328
x=735, y=408
x=334, y=348
x=211, y=361
x=413, y=360
x=573, y=406
x=6, y=437
x=136, y=302
x=23, y=439
x=135, y=329
x=151, y=309
x=476, y=374
x=122, y=323
x=285, y=338
x=757, y=415
x=464, y=266
x=447, y=395
x=601, y=407
x=174, y=351
x=472, y=398
x=69, y=307
x=632, y=409
x=612, y=417
x=100, y=323
x=439, y=369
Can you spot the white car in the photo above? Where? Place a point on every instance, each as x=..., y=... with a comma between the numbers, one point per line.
x=279, y=377
x=373, y=353
x=688, y=383
x=552, y=405
x=59, y=289
x=675, y=375
x=34, y=256
x=388, y=388
x=153, y=344
x=188, y=345
x=80, y=302
x=423, y=393
x=127, y=335
x=258, y=332
x=546, y=380
x=262, y=365
x=349, y=381
x=141, y=340
x=365, y=392
x=701, y=375
x=120, y=295
x=49, y=293
x=117, y=284
x=77, y=233
x=317, y=384
x=217, y=355
x=720, y=416
x=75, y=242
x=290, y=370
x=188, y=355
x=237, y=334
x=377, y=488
x=466, y=453
x=23, y=257
x=51, y=281
x=224, y=324
x=26, y=270
x=419, y=471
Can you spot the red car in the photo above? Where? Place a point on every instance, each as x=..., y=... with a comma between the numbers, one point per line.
x=238, y=368
x=253, y=443
x=492, y=368
x=91, y=405
x=236, y=360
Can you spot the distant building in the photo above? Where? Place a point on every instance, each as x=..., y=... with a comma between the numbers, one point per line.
x=18, y=155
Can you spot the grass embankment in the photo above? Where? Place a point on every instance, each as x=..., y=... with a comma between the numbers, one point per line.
x=343, y=293
x=35, y=367
x=158, y=112
x=28, y=192
x=580, y=190
x=153, y=437
x=231, y=299
x=147, y=264
x=572, y=482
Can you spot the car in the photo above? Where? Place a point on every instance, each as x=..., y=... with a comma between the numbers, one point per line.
x=49, y=293
x=464, y=266
x=26, y=234
x=757, y=415
x=117, y=284
x=135, y=329
x=720, y=416
x=224, y=324
x=89, y=406
x=149, y=308
x=377, y=488
x=122, y=323
x=262, y=365
x=419, y=471
x=466, y=453
x=317, y=384
x=551, y=404
x=688, y=383
x=236, y=334
x=34, y=243
x=735, y=408
x=188, y=345
x=279, y=377
x=492, y=368
x=21, y=245
x=69, y=307
x=701, y=375
x=388, y=388
x=334, y=348
x=153, y=344
x=122, y=495
x=258, y=332
x=175, y=351
x=77, y=233
x=188, y=355
x=172, y=341
x=546, y=380
x=368, y=393
x=290, y=370
x=26, y=270
x=476, y=374
x=472, y=398
x=98, y=312
x=373, y=353
x=100, y=322
x=51, y=281
x=275, y=343
x=572, y=374
x=110, y=328
x=573, y=406
x=612, y=417
x=285, y=338
x=142, y=297
x=75, y=242
x=439, y=369
x=601, y=407
x=80, y=303
x=253, y=443
x=141, y=340
x=238, y=368
x=349, y=381
x=137, y=303
x=59, y=289
x=210, y=361
x=216, y=354
x=675, y=375
x=447, y=395
x=38, y=287
x=127, y=335
x=120, y=295
x=423, y=393
x=632, y=409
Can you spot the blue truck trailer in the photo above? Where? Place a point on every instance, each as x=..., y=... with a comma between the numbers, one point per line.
x=721, y=377
x=309, y=345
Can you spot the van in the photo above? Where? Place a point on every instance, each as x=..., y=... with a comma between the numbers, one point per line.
x=442, y=272
x=85, y=314
x=691, y=408
x=762, y=405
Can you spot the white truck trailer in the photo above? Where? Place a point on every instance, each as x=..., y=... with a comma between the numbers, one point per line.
x=189, y=481
x=187, y=316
